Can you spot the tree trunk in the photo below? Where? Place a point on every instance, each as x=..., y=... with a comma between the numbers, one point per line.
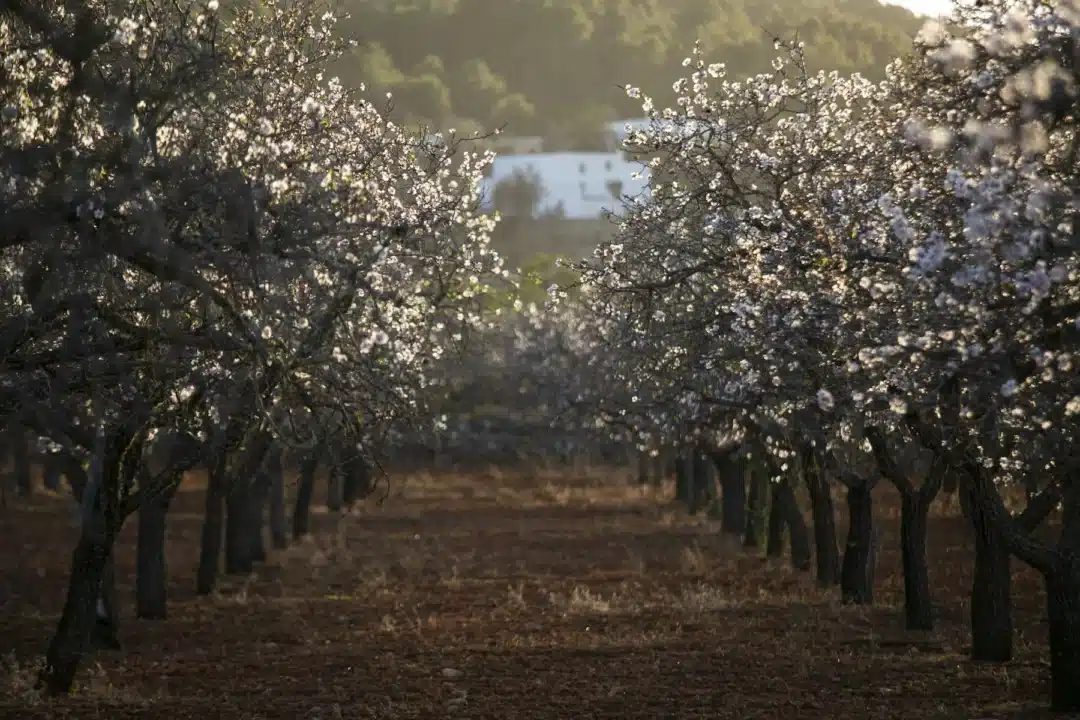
x=51, y=478
x=774, y=544
x=239, y=517
x=644, y=468
x=244, y=504
x=356, y=481
x=304, y=493
x=756, y=506
x=106, y=611
x=857, y=570
x=151, y=575
x=918, y=608
x=991, y=590
x=796, y=525
x=279, y=533
x=74, y=632
x=827, y=553
x=1063, y=612
x=333, y=489
x=658, y=472
x=683, y=479
x=259, y=498
x=20, y=457
x=703, y=484
x=213, y=525
x=733, y=498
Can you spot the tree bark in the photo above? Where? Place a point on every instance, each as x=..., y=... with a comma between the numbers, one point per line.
x=914, y=513
x=260, y=498
x=733, y=498
x=333, y=489
x=827, y=552
x=51, y=477
x=659, y=470
x=756, y=506
x=356, y=481
x=244, y=504
x=106, y=611
x=72, y=639
x=239, y=517
x=279, y=532
x=774, y=544
x=213, y=526
x=89, y=614
x=991, y=589
x=683, y=479
x=703, y=484
x=1063, y=612
x=857, y=570
x=644, y=468
x=304, y=493
x=20, y=458
x=796, y=526
x=151, y=575
x=914, y=509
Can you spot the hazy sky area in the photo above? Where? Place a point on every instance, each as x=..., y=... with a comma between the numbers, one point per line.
x=925, y=7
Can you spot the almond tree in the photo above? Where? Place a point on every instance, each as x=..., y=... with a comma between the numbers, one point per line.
x=202, y=235
x=985, y=205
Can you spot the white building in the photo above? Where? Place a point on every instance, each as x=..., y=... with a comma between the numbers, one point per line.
x=577, y=186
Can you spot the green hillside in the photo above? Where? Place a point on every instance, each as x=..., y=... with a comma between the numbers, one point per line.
x=554, y=67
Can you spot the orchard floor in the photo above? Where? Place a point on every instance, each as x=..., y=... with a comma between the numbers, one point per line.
x=513, y=597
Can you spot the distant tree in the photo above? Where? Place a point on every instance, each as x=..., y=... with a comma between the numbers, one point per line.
x=520, y=195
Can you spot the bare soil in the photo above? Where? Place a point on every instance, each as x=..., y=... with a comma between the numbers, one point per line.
x=518, y=596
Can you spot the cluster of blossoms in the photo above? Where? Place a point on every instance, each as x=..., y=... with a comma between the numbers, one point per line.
x=220, y=213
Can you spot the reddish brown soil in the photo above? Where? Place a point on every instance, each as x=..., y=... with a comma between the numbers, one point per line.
x=497, y=597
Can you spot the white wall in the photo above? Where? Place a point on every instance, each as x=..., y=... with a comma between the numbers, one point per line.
x=576, y=180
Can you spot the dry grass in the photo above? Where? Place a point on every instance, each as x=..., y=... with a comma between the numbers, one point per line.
x=531, y=596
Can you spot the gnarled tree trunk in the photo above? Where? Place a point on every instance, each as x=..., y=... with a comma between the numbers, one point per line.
x=305, y=491
x=74, y=633
x=334, y=488
x=89, y=614
x=857, y=569
x=796, y=526
x=774, y=544
x=914, y=509
x=1063, y=613
x=827, y=552
x=151, y=575
x=914, y=513
x=683, y=479
x=279, y=531
x=703, y=484
x=213, y=525
x=756, y=506
x=991, y=588
x=356, y=481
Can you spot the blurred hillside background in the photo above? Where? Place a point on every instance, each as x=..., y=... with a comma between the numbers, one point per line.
x=548, y=73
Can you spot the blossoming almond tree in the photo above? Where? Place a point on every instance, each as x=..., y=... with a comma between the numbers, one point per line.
x=202, y=232
x=985, y=205
x=834, y=263
x=727, y=276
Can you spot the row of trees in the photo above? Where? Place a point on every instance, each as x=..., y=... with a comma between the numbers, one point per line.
x=554, y=67
x=845, y=281
x=212, y=254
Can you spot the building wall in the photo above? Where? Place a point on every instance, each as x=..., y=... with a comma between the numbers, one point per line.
x=578, y=186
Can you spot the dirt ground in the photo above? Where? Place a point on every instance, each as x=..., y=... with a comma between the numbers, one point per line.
x=514, y=597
